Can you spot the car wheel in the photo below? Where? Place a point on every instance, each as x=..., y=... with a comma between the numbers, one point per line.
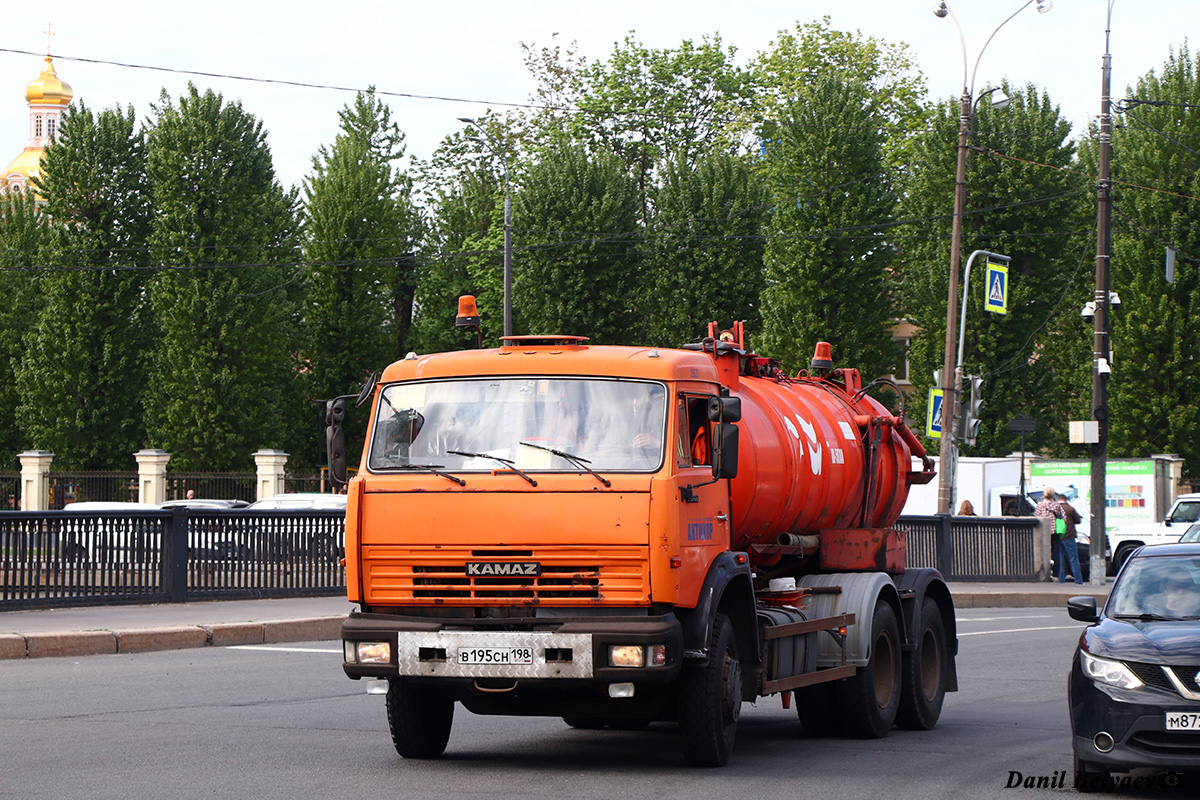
x=1088, y=777
x=1122, y=555
x=585, y=723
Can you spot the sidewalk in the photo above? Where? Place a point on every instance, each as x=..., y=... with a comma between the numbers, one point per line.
x=133, y=629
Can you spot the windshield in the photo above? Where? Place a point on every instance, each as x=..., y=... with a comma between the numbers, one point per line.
x=472, y=425
x=1159, y=586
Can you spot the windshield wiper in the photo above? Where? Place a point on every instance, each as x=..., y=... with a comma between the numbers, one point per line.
x=512, y=465
x=582, y=463
x=1144, y=617
x=435, y=469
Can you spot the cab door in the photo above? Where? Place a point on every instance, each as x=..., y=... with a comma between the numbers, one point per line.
x=704, y=502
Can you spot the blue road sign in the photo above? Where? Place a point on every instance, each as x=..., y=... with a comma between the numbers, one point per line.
x=997, y=288
x=933, y=420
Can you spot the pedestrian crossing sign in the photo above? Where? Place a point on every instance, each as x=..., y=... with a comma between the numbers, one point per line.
x=933, y=420
x=997, y=288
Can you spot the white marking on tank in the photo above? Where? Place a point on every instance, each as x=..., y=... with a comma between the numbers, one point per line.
x=814, y=449
x=846, y=430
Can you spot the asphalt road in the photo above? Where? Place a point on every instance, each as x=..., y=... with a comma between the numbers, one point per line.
x=281, y=721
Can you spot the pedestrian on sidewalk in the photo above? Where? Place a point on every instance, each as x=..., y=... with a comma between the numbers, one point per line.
x=1048, y=507
x=1068, y=547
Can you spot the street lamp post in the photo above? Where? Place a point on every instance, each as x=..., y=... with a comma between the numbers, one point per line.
x=491, y=144
x=947, y=457
x=1101, y=345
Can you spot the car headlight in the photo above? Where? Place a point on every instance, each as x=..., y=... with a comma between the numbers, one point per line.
x=1114, y=673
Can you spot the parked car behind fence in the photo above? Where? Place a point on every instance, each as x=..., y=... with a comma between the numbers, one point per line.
x=133, y=553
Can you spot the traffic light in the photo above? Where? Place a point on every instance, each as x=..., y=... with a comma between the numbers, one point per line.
x=335, y=440
x=973, y=412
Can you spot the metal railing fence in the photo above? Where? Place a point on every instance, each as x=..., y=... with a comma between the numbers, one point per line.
x=979, y=548
x=64, y=558
x=10, y=491
x=212, y=485
x=92, y=485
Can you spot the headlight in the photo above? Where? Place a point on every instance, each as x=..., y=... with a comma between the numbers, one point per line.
x=635, y=655
x=1114, y=673
x=371, y=652
x=626, y=655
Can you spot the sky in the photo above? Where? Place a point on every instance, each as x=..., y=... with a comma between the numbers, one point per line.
x=469, y=54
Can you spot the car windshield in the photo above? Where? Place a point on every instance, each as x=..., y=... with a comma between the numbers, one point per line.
x=549, y=424
x=1186, y=512
x=1165, y=587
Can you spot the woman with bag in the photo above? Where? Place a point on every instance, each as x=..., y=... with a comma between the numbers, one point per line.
x=1048, y=507
x=1068, y=547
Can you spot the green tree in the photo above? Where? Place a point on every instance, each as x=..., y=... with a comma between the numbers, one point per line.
x=704, y=250
x=796, y=59
x=464, y=253
x=84, y=368
x=1154, y=386
x=20, y=238
x=577, y=218
x=827, y=262
x=1025, y=201
x=360, y=229
x=224, y=372
x=647, y=106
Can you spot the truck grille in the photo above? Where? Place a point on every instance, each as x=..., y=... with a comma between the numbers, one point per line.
x=437, y=576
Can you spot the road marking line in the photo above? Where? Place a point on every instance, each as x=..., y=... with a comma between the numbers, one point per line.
x=1022, y=630
x=995, y=619
x=282, y=649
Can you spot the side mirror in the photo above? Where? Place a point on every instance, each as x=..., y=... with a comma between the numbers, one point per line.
x=368, y=389
x=724, y=409
x=1083, y=609
x=725, y=450
x=335, y=440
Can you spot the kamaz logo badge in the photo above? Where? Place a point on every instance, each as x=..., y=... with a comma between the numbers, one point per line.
x=491, y=568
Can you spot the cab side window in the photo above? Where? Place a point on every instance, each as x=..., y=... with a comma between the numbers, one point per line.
x=699, y=435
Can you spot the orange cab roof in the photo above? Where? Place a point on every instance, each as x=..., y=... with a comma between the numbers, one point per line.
x=561, y=356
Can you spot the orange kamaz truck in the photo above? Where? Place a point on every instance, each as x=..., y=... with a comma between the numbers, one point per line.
x=623, y=535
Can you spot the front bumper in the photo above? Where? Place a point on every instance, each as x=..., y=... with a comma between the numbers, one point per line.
x=566, y=651
x=1135, y=719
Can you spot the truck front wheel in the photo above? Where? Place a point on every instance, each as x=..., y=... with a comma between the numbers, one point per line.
x=710, y=700
x=924, y=672
x=419, y=718
x=871, y=699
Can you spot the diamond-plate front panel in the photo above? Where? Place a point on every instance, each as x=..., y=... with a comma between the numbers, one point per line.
x=409, y=645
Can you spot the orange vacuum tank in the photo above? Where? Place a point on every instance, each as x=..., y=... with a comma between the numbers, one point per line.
x=812, y=457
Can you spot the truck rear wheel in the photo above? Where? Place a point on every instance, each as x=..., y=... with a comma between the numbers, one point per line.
x=817, y=708
x=870, y=700
x=924, y=673
x=419, y=718
x=710, y=700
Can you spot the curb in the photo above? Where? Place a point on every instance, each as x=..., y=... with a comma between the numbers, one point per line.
x=144, y=640
x=229, y=634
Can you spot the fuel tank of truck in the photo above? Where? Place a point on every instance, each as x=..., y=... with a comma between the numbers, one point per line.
x=816, y=453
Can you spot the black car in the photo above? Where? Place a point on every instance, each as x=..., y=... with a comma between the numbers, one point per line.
x=1134, y=689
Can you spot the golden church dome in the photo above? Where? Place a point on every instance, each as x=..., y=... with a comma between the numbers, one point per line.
x=48, y=89
x=27, y=163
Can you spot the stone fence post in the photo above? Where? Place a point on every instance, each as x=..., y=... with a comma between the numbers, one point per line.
x=35, y=480
x=152, y=475
x=271, y=464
